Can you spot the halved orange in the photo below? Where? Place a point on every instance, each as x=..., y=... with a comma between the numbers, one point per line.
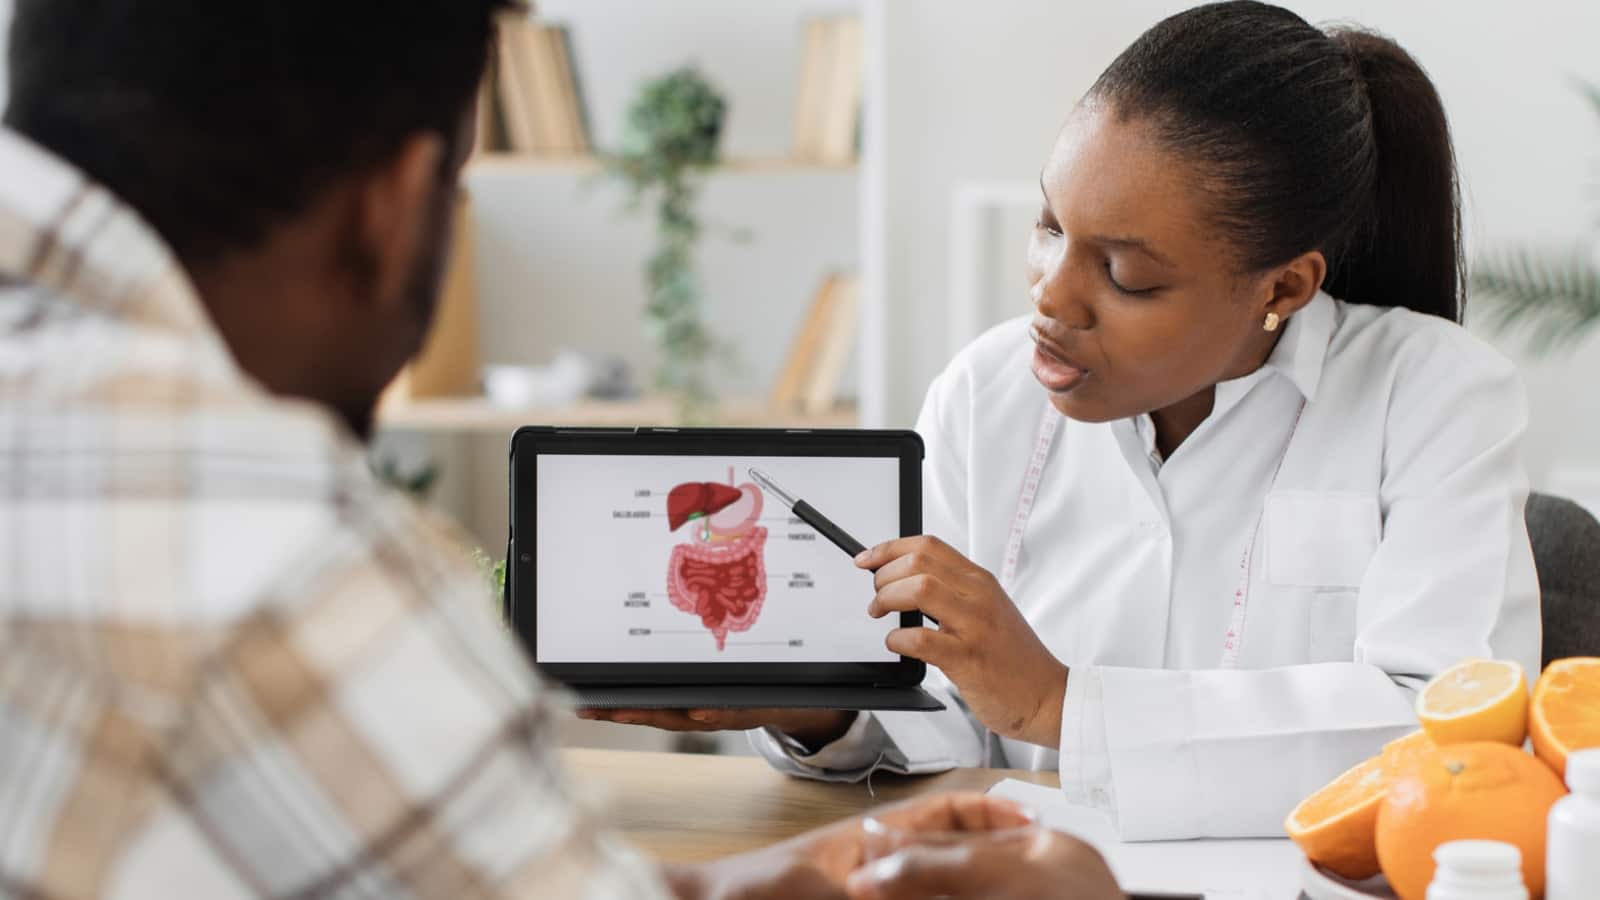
x=1400, y=755
x=1476, y=700
x=1337, y=826
x=1565, y=713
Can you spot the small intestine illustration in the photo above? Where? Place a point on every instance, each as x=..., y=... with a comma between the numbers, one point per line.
x=719, y=574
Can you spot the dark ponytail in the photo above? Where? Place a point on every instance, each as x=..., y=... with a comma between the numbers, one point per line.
x=1307, y=140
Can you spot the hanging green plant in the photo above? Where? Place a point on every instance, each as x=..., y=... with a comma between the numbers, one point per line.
x=671, y=137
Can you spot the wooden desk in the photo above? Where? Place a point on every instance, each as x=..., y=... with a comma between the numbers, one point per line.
x=686, y=808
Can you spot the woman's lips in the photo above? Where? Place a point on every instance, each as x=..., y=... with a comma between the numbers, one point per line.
x=1053, y=370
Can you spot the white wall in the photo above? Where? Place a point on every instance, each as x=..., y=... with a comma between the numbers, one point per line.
x=977, y=90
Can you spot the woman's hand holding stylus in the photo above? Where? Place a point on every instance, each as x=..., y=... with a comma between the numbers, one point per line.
x=1006, y=675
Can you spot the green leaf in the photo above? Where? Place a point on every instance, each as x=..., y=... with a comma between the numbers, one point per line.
x=494, y=574
x=1591, y=92
x=1551, y=299
x=418, y=483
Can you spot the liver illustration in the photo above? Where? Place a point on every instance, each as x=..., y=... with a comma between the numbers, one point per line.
x=703, y=498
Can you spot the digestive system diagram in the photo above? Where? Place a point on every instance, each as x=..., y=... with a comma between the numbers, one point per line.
x=719, y=572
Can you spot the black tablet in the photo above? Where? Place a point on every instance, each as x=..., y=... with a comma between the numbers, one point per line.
x=649, y=556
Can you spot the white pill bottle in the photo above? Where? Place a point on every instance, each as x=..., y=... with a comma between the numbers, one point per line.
x=1477, y=870
x=1572, y=847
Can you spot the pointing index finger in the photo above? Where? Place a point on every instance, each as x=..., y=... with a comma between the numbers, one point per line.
x=876, y=557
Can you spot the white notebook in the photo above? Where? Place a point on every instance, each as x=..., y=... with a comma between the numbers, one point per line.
x=1220, y=870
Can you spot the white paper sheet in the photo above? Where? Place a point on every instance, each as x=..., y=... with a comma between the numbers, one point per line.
x=1222, y=870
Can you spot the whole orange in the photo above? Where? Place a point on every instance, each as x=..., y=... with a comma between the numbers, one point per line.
x=1484, y=791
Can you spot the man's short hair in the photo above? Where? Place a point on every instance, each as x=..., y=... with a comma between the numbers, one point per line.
x=216, y=120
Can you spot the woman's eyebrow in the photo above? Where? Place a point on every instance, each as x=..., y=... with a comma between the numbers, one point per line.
x=1138, y=245
x=1119, y=242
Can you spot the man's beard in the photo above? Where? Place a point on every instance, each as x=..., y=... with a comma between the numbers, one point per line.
x=421, y=300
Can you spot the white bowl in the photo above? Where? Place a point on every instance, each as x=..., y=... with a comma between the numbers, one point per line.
x=1319, y=884
x=511, y=386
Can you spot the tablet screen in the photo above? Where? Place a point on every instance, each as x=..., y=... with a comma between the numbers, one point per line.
x=684, y=559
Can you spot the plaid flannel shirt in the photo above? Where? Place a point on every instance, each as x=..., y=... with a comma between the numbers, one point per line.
x=231, y=663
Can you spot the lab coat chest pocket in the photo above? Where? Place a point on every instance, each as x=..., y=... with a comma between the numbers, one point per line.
x=1319, y=545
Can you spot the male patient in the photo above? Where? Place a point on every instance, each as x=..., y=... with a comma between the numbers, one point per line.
x=231, y=663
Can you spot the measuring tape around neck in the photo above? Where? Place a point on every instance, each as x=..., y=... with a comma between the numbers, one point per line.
x=1049, y=425
x=1233, y=640
x=1046, y=437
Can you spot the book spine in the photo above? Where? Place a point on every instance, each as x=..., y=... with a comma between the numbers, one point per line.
x=801, y=361
x=808, y=93
x=572, y=97
x=843, y=111
x=546, y=91
x=515, y=89
x=834, y=353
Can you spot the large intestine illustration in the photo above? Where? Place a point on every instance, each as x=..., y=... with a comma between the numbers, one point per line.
x=719, y=574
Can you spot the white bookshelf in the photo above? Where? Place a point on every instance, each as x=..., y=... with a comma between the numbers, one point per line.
x=543, y=283
x=754, y=53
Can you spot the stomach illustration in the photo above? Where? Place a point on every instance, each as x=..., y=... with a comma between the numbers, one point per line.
x=719, y=573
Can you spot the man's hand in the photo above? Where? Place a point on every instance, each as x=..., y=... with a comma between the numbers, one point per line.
x=812, y=727
x=817, y=864
x=1041, y=864
x=1006, y=675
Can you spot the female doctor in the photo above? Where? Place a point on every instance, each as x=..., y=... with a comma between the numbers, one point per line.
x=1240, y=484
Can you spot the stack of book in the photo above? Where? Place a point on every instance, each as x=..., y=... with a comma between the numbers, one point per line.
x=531, y=101
x=828, y=105
x=811, y=375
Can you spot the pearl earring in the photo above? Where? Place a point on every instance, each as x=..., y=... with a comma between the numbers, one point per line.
x=1272, y=322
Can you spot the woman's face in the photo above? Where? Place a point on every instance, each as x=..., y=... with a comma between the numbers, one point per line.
x=1139, y=306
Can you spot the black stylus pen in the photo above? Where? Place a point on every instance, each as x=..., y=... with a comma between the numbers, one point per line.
x=809, y=515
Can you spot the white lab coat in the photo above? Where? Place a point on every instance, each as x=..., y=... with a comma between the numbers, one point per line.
x=1391, y=546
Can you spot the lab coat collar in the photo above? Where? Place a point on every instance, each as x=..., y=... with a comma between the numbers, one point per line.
x=1298, y=357
x=1304, y=345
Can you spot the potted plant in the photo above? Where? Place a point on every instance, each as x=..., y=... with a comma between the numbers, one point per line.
x=671, y=138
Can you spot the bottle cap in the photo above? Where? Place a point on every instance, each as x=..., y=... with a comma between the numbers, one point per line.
x=1583, y=771
x=1478, y=857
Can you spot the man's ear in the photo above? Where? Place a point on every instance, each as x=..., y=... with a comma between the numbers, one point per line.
x=394, y=206
x=1292, y=285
